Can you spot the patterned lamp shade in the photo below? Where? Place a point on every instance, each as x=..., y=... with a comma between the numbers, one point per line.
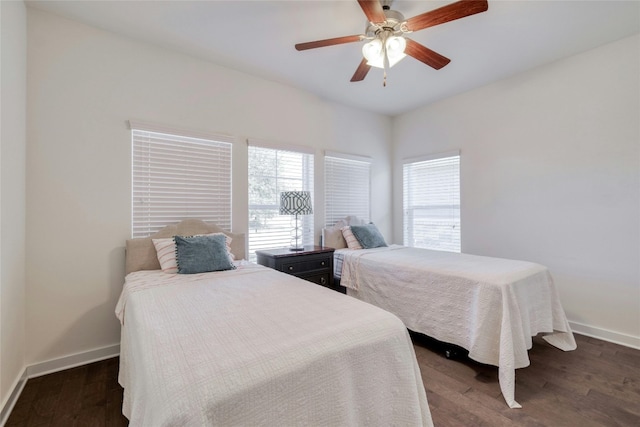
x=295, y=203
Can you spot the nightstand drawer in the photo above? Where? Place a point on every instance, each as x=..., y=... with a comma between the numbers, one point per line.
x=319, y=279
x=305, y=265
x=314, y=264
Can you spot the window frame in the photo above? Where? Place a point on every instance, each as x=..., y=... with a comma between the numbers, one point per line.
x=279, y=223
x=446, y=189
x=190, y=189
x=341, y=197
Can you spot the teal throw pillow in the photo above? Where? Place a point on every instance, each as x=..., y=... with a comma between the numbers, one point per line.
x=201, y=254
x=368, y=236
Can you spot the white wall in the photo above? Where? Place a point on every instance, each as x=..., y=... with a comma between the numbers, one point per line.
x=13, y=55
x=83, y=85
x=550, y=173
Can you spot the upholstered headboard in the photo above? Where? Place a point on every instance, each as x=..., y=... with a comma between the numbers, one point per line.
x=141, y=254
x=332, y=236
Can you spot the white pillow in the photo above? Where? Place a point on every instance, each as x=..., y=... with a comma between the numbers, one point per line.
x=352, y=242
x=166, y=251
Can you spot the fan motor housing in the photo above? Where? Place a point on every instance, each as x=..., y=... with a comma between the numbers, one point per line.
x=393, y=23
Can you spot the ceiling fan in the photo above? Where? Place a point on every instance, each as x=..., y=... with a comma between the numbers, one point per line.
x=386, y=34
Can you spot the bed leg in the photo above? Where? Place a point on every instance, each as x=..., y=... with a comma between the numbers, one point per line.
x=451, y=353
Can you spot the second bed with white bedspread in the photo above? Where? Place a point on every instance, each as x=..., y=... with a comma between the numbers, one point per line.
x=490, y=306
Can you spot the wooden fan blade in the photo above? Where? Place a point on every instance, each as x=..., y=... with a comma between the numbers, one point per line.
x=328, y=42
x=447, y=13
x=373, y=10
x=426, y=55
x=361, y=71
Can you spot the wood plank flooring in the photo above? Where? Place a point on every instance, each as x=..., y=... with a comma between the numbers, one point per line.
x=85, y=396
x=596, y=385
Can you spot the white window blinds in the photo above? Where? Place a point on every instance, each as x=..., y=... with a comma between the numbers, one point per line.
x=431, y=202
x=273, y=170
x=347, y=187
x=176, y=177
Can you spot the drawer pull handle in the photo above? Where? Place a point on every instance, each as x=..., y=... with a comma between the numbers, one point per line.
x=323, y=263
x=323, y=281
x=290, y=268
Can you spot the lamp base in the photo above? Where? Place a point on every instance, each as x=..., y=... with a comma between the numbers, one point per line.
x=296, y=238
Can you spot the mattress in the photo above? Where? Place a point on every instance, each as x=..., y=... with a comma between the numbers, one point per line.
x=254, y=346
x=492, y=307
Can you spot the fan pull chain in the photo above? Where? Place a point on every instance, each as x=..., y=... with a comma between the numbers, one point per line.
x=385, y=61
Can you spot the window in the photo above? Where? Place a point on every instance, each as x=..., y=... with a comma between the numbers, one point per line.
x=176, y=177
x=431, y=202
x=347, y=186
x=272, y=170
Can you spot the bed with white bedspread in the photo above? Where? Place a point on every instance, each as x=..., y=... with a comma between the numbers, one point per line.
x=492, y=307
x=253, y=346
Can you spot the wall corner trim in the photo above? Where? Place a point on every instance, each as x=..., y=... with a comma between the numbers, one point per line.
x=17, y=388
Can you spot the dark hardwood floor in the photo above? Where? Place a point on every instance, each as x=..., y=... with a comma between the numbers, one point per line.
x=85, y=396
x=596, y=385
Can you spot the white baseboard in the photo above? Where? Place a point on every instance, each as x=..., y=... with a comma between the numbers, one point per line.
x=8, y=405
x=606, y=335
x=72, y=361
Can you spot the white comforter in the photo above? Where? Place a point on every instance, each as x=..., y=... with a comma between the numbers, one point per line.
x=489, y=306
x=257, y=347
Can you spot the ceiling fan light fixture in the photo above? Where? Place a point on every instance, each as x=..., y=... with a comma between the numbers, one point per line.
x=372, y=51
x=395, y=46
x=388, y=53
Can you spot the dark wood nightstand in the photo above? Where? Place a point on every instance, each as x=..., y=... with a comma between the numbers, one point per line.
x=314, y=263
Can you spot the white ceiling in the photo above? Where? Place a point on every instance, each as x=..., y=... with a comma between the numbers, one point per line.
x=258, y=37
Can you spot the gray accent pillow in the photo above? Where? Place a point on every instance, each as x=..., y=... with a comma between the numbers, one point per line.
x=201, y=254
x=368, y=236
